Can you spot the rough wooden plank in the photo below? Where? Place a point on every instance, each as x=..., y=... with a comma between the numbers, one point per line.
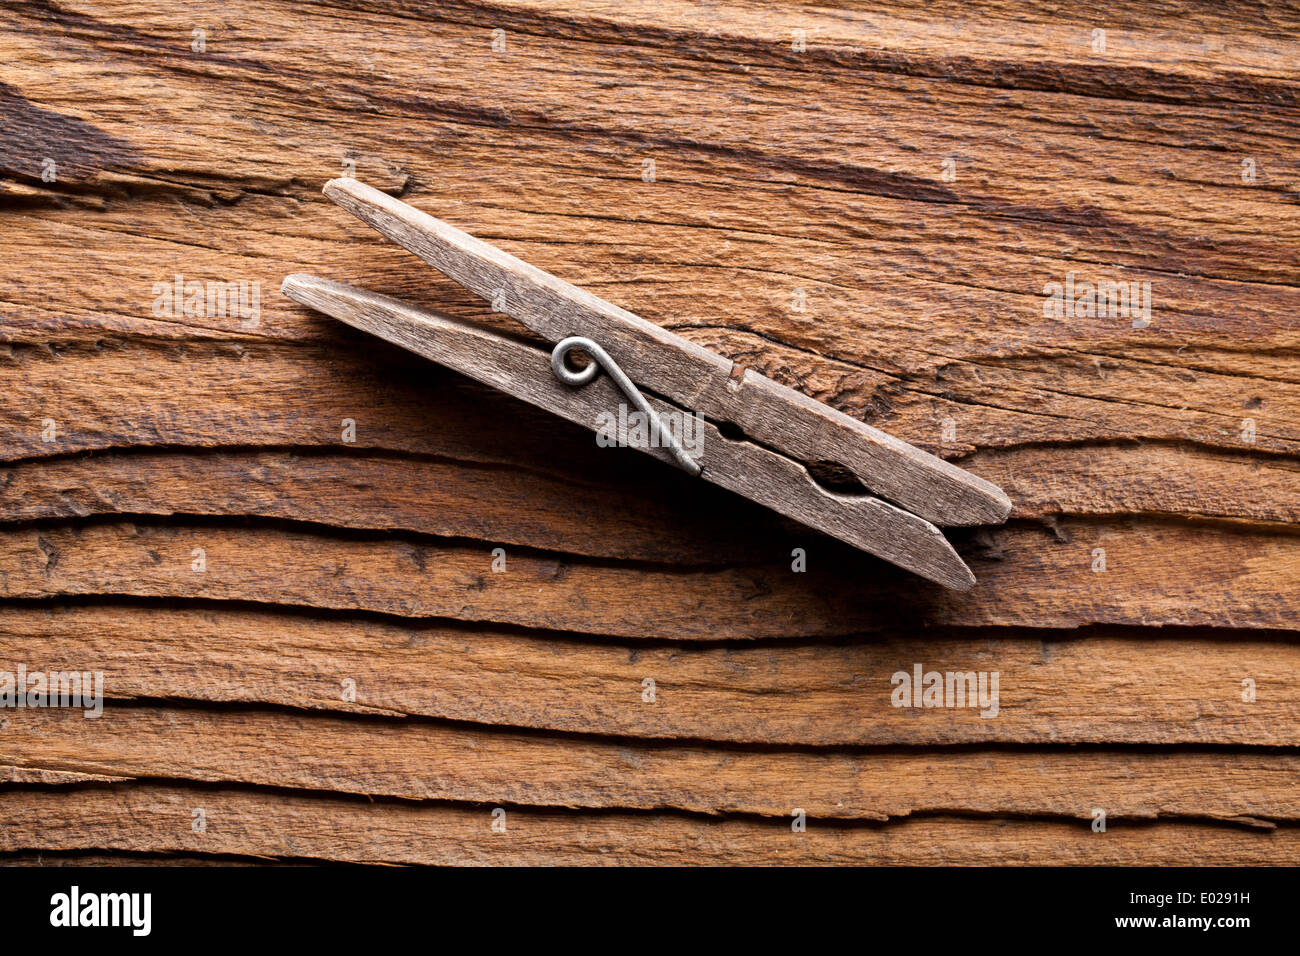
x=1154, y=574
x=1146, y=479
x=154, y=818
x=29, y=774
x=1077, y=377
x=425, y=495
x=893, y=266
x=433, y=761
x=1074, y=391
x=1104, y=687
x=115, y=395
x=81, y=859
x=520, y=505
x=1052, y=395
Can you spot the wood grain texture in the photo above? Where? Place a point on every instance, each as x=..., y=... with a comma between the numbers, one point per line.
x=424, y=761
x=1096, y=687
x=1156, y=574
x=159, y=818
x=867, y=211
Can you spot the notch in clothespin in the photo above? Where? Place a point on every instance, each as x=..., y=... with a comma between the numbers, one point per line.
x=759, y=437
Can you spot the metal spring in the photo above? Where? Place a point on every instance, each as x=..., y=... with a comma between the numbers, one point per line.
x=600, y=359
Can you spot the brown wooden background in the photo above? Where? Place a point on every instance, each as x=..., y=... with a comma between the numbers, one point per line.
x=774, y=171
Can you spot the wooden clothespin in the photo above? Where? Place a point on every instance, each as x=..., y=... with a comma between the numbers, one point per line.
x=667, y=378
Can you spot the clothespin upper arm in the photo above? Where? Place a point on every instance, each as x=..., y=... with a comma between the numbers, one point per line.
x=683, y=372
